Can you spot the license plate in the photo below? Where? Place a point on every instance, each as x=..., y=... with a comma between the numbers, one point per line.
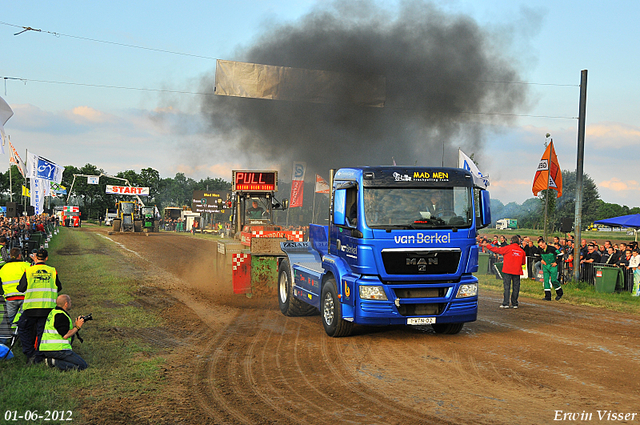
x=421, y=320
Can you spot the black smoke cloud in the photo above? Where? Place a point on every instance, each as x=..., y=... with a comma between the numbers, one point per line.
x=442, y=88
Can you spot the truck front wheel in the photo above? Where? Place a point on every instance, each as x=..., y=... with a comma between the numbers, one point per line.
x=447, y=328
x=331, y=311
x=290, y=305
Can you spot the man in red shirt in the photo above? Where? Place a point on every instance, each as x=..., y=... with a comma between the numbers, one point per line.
x=514, y=259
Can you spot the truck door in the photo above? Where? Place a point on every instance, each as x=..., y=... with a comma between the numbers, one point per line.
x=346, y=220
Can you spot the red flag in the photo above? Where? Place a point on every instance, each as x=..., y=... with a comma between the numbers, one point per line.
x=321, y=185
x=548, y=175
x=297, y=184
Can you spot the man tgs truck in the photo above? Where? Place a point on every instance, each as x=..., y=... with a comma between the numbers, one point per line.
x=399, y=249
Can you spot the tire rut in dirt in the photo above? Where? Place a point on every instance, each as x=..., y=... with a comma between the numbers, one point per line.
x=267, y=368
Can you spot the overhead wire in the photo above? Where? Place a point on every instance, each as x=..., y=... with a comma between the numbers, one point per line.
x=58, y=34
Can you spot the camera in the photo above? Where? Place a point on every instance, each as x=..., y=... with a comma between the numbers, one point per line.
x=87, y=317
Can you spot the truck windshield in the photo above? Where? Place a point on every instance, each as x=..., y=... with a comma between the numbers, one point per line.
x=413, y=208
x=127, y=208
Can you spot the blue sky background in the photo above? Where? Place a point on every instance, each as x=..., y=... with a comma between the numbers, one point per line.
x=118, y=129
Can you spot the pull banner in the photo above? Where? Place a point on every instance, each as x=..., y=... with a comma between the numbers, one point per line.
x=93, y=180
x=126, y=190
x=245, y=79
x=297, y=184
x=42, y=168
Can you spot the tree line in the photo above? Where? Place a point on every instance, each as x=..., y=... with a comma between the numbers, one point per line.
x=530, y=214
x=93, y=199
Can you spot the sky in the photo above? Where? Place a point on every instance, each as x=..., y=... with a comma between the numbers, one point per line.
x=81, y=94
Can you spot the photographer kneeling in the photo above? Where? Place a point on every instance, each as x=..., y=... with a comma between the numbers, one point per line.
x=56, y=339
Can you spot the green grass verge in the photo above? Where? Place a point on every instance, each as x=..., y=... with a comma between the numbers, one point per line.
x=121, y=364
x=535, y=233
x=578, y=293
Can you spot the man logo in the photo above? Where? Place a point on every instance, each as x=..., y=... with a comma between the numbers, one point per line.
x=421, y=263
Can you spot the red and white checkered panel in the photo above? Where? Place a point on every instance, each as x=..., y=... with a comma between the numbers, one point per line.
x=241, y=274
x=296, y=236
x=238, y=259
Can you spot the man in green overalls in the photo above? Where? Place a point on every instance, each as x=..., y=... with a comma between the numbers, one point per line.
x=550, y=270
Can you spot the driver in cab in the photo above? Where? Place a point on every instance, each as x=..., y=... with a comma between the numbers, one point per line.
x=255, y=212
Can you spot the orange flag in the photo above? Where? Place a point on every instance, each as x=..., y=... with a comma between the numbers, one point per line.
x=548, y=175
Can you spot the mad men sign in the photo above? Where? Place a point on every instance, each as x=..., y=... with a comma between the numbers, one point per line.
x=126, y=190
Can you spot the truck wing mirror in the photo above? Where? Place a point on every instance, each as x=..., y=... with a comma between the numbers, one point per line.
x=339, y=207
x=485, y=208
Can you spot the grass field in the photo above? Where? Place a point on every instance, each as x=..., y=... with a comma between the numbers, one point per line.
x=120, y=364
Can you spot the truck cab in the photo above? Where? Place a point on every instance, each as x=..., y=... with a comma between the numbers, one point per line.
x=399, y=249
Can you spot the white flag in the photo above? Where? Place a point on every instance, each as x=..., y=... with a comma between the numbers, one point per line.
x=93, y=180
x=5, y=113
x=41, y=168
x=467, y=163
x=37, y=191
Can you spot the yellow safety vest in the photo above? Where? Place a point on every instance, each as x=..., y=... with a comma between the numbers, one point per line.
x=41, y=287
x=51, y=339
x=11, y=273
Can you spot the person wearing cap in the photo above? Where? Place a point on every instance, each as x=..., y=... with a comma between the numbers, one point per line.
x=10, y=275
x=40, y=284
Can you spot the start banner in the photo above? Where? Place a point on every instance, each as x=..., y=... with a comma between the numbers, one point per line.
x=126, y=190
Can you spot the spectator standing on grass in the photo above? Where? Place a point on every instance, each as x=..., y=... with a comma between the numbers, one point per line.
x=40, y=284
x=550, y=270
x=10, y=275
x=59, y=331
x=514, y=258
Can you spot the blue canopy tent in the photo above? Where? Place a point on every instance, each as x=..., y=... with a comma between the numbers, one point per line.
x=629, y=221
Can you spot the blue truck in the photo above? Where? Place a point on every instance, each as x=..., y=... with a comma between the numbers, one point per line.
x=399, y=249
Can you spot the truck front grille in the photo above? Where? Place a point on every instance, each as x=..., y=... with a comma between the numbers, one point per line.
x=421, y=309
x=428, y=262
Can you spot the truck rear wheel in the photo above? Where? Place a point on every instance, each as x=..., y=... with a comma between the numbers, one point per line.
x=290, y=305
x=447, y=328
x=331, y=311
x=137, y=226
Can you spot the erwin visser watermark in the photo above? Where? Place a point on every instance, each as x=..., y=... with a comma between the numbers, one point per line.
x=598, y=415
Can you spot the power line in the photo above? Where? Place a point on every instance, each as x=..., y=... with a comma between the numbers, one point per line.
x=103, y=86
x=106, y=86
x=153, y=49
x=95, y=40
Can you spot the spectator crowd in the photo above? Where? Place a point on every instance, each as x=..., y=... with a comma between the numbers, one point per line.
x=591, y=254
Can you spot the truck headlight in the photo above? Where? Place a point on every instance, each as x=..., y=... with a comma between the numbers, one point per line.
x=467, y=290
x=372, y=293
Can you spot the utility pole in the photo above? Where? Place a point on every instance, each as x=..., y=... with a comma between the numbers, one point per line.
x=582, y=117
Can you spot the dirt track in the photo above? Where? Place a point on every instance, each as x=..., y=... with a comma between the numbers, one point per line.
x=250, y=364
